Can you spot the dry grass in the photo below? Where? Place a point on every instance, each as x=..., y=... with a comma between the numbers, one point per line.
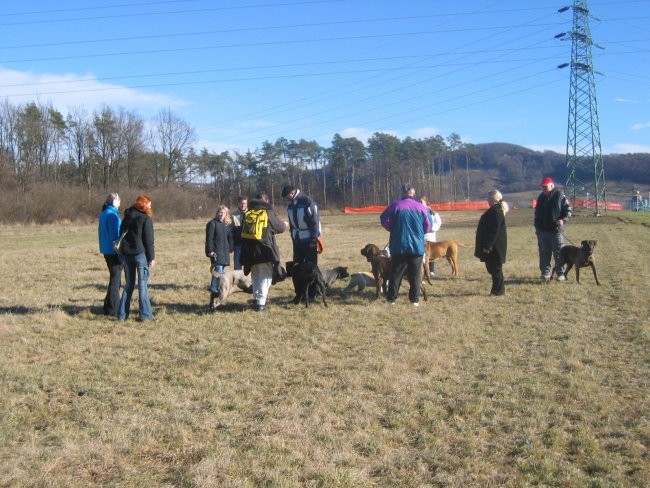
x=547, y=386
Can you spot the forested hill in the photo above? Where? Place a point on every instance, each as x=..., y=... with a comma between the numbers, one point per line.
x=514, y=167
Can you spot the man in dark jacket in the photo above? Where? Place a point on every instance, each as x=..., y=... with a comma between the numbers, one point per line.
x=407, y=220
x=304, y=222
x=492, y=240
x=262, y=256
x=552, y=211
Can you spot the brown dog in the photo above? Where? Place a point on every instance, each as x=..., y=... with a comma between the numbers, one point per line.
x=381, y=268
x=447, y=249
x=380, y=264
x=579, y=257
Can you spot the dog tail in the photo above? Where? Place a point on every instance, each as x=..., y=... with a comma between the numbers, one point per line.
x=461, y=244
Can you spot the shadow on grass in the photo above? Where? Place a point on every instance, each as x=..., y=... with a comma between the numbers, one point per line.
x=18, y=310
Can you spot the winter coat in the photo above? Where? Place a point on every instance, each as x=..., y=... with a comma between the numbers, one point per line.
x=139, y=238
x=304, y=219
x=549, y=209
x=219, y=240
x=407, y=220
x=491, y=234
x=108, y=229
x=265, y=250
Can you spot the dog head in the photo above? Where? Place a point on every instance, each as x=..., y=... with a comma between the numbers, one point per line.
x=588, y=247
x=369, y=251
x=341, y=272
x=289, y=266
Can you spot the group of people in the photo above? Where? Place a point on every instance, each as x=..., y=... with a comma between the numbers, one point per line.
x=259, y=256
x=410, y=221
x=136, y=254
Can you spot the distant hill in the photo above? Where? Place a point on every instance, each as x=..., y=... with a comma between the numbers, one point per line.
x=512, y=168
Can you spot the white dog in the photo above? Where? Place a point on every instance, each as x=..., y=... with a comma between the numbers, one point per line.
x=359, y=281
x=230, y=282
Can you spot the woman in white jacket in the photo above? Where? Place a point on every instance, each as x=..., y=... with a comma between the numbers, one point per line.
x=436, y=222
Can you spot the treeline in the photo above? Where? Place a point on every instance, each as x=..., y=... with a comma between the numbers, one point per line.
x=44, y=152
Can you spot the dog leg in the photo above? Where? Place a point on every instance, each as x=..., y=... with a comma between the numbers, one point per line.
x=593, y=268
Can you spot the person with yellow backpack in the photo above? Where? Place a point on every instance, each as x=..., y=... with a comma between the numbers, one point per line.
x=260, y=255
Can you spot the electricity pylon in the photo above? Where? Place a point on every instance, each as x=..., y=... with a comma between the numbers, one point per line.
x=585, y=176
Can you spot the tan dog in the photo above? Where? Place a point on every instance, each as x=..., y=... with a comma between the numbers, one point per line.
x=381, y=269
x=447, y=249
x=230, y=282
x=579, y=257
x=380, y=265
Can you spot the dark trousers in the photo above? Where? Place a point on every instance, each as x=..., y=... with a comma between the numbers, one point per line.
x=411, y=264
x=306, y=253
x=495, y=268
x=112, y=299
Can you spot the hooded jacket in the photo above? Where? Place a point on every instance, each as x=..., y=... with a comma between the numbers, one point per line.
x=108, y=229
x=407, y=220
x=265, y=250
x=139, y=238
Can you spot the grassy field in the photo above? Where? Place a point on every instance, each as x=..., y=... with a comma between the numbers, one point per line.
x=546, y=386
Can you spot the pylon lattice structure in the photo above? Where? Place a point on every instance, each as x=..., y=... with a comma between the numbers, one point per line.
x=585, y=175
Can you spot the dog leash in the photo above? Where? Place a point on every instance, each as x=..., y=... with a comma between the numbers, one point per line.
x=564, y=235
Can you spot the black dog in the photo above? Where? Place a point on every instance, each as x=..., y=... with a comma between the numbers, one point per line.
x=306, y=276
x=331, y=275
x=579, y=257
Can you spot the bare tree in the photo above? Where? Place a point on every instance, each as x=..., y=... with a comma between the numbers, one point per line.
x=173, y=137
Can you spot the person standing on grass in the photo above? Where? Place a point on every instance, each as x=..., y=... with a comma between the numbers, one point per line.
x=436, y=222
x=108, y=231
x=304, y=222
x=219, y=244
x=492, y=240
x=261, y=257
x=237, y=220
x=407, y=220
x=139, y=256
x=552, y=212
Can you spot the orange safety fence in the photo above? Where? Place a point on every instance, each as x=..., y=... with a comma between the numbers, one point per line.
x=590, y=204
x=443, y=206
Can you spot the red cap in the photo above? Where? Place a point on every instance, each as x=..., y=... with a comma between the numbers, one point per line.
x=546, y=181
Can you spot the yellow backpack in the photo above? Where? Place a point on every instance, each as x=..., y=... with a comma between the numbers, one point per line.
x=255, y=223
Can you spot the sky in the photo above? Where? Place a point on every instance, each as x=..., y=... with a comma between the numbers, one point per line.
x=242, y=72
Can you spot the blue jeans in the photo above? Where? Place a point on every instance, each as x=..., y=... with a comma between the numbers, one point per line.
x=237, y=257
x=132, y=264
x=214, y=283
x=549, y=244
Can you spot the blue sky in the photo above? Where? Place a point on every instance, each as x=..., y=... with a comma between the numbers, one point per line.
x=242, y=72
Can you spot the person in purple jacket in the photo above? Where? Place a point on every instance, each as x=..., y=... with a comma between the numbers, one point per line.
x=407, y=220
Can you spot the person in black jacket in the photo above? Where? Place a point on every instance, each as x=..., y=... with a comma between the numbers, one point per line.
x=262, y=256
x=219, y=244
x=139, y=256
x=492, y=240
x=552, y=211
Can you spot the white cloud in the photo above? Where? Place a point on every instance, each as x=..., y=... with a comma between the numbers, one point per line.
x=547, y=147
x=72, y=90
x=643, y=125
x=625, y=100
x=624, y=148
